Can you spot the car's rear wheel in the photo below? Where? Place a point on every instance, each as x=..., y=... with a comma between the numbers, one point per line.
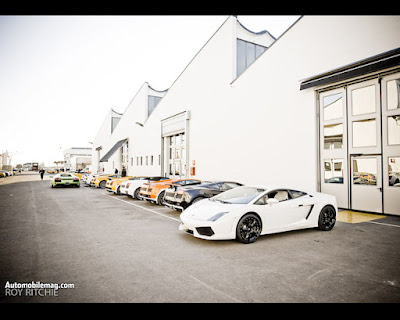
x=102, y=184
x=327, y=218
x=249, y=228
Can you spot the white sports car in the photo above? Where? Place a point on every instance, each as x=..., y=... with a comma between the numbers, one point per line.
x=246, y=212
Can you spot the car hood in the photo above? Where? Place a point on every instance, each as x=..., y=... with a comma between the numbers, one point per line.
x=206, y=208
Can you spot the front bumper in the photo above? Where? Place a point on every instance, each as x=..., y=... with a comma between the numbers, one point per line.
x=209, y=230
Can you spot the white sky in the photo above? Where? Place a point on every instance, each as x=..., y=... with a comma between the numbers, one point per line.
x=60, y=75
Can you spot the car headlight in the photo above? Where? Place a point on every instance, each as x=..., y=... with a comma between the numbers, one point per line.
x=217, y=216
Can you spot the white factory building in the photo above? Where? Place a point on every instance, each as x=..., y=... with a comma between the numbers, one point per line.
x=316, y=109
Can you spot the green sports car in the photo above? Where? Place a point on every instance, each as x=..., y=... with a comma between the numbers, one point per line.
x=65, y=179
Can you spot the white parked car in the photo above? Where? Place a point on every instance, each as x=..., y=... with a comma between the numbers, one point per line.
x=87, y=178
x=132, y=187
x=244, y=213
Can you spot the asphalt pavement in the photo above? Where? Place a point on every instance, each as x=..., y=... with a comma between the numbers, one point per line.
x=111, y=248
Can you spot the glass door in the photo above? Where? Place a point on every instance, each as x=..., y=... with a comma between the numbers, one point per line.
x=366, y=184
x=333, y=145
x=176, y=151
x=391, y=143
x=364, y=141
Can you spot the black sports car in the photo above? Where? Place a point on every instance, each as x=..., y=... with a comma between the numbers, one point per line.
x=179, y=198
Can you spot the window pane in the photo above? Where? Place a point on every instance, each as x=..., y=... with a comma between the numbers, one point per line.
x=364, y=133
x=394, y=171
x=333, y=136
x=259, y=50
x=363, y=100
x=250, y=53
x=393, y=94
x=333, y=171
x=364, y=171
x=333, y=106
x=393, y=130
x=241, y=57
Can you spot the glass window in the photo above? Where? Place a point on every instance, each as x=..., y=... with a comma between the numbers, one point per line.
x=393, y=94
x=364, y=133
x=363, y=100
x=280, y=195
x=365, y=171
x=333, y=136
x=259, y=50
x=393, y=127
x=250, y=53
x=152, y=103
x=394, y=171
x=241, y=57
x=333, y=106
x=247, y=53
x=296, y=194
x=333, y=172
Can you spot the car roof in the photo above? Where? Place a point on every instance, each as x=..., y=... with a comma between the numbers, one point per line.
x=269, y=187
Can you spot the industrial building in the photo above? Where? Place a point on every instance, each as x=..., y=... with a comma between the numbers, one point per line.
x=316, y=109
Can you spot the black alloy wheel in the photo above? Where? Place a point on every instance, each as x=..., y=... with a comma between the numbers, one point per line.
x=102, y=184
x=249, y=228
x=327, y=218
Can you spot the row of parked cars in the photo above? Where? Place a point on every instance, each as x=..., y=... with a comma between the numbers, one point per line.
x=5, y=173
x=226, y=209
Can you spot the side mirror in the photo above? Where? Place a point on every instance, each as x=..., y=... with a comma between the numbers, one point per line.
x=272, y=201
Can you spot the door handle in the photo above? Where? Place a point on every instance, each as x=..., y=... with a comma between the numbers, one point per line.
x=380, y=189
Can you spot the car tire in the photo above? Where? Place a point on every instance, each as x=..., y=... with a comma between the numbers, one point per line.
x=197, y=200
x=118, y=192
x=327, y=218
x=160, y=199
x=248, y=228
x=136, y=194
x=102, y=184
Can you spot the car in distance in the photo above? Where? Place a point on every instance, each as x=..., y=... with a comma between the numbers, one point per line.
x=134, y=185
x=64, y=179
x=154, y=191
x=181, y=198
x=112, y=184
x=246, y=212
x=100, y=181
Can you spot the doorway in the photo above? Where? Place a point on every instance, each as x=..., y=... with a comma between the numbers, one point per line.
x=360, y=144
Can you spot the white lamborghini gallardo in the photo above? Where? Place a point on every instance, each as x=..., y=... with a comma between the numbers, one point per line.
x=246, y=212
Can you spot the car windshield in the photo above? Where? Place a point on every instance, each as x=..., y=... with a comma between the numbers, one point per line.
x=239, y=195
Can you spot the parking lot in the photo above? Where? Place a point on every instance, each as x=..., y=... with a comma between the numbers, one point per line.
x=116, y=249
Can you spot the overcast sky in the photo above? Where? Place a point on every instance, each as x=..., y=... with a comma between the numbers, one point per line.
x=60, y=75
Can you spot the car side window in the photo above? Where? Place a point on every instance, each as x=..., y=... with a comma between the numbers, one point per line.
x=296, y=194
x=262, y=200
x=280, y=195
x=217, y=186
x=228, y=186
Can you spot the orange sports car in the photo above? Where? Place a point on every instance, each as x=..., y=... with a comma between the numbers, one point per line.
x=154, y=191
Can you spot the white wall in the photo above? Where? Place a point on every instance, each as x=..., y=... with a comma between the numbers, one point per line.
x=260, y=128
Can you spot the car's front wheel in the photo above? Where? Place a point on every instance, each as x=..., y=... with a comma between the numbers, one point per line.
x=102, y=184
x=248, y=228
x=160, y=200
x=136, y=193
x=327, y=218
